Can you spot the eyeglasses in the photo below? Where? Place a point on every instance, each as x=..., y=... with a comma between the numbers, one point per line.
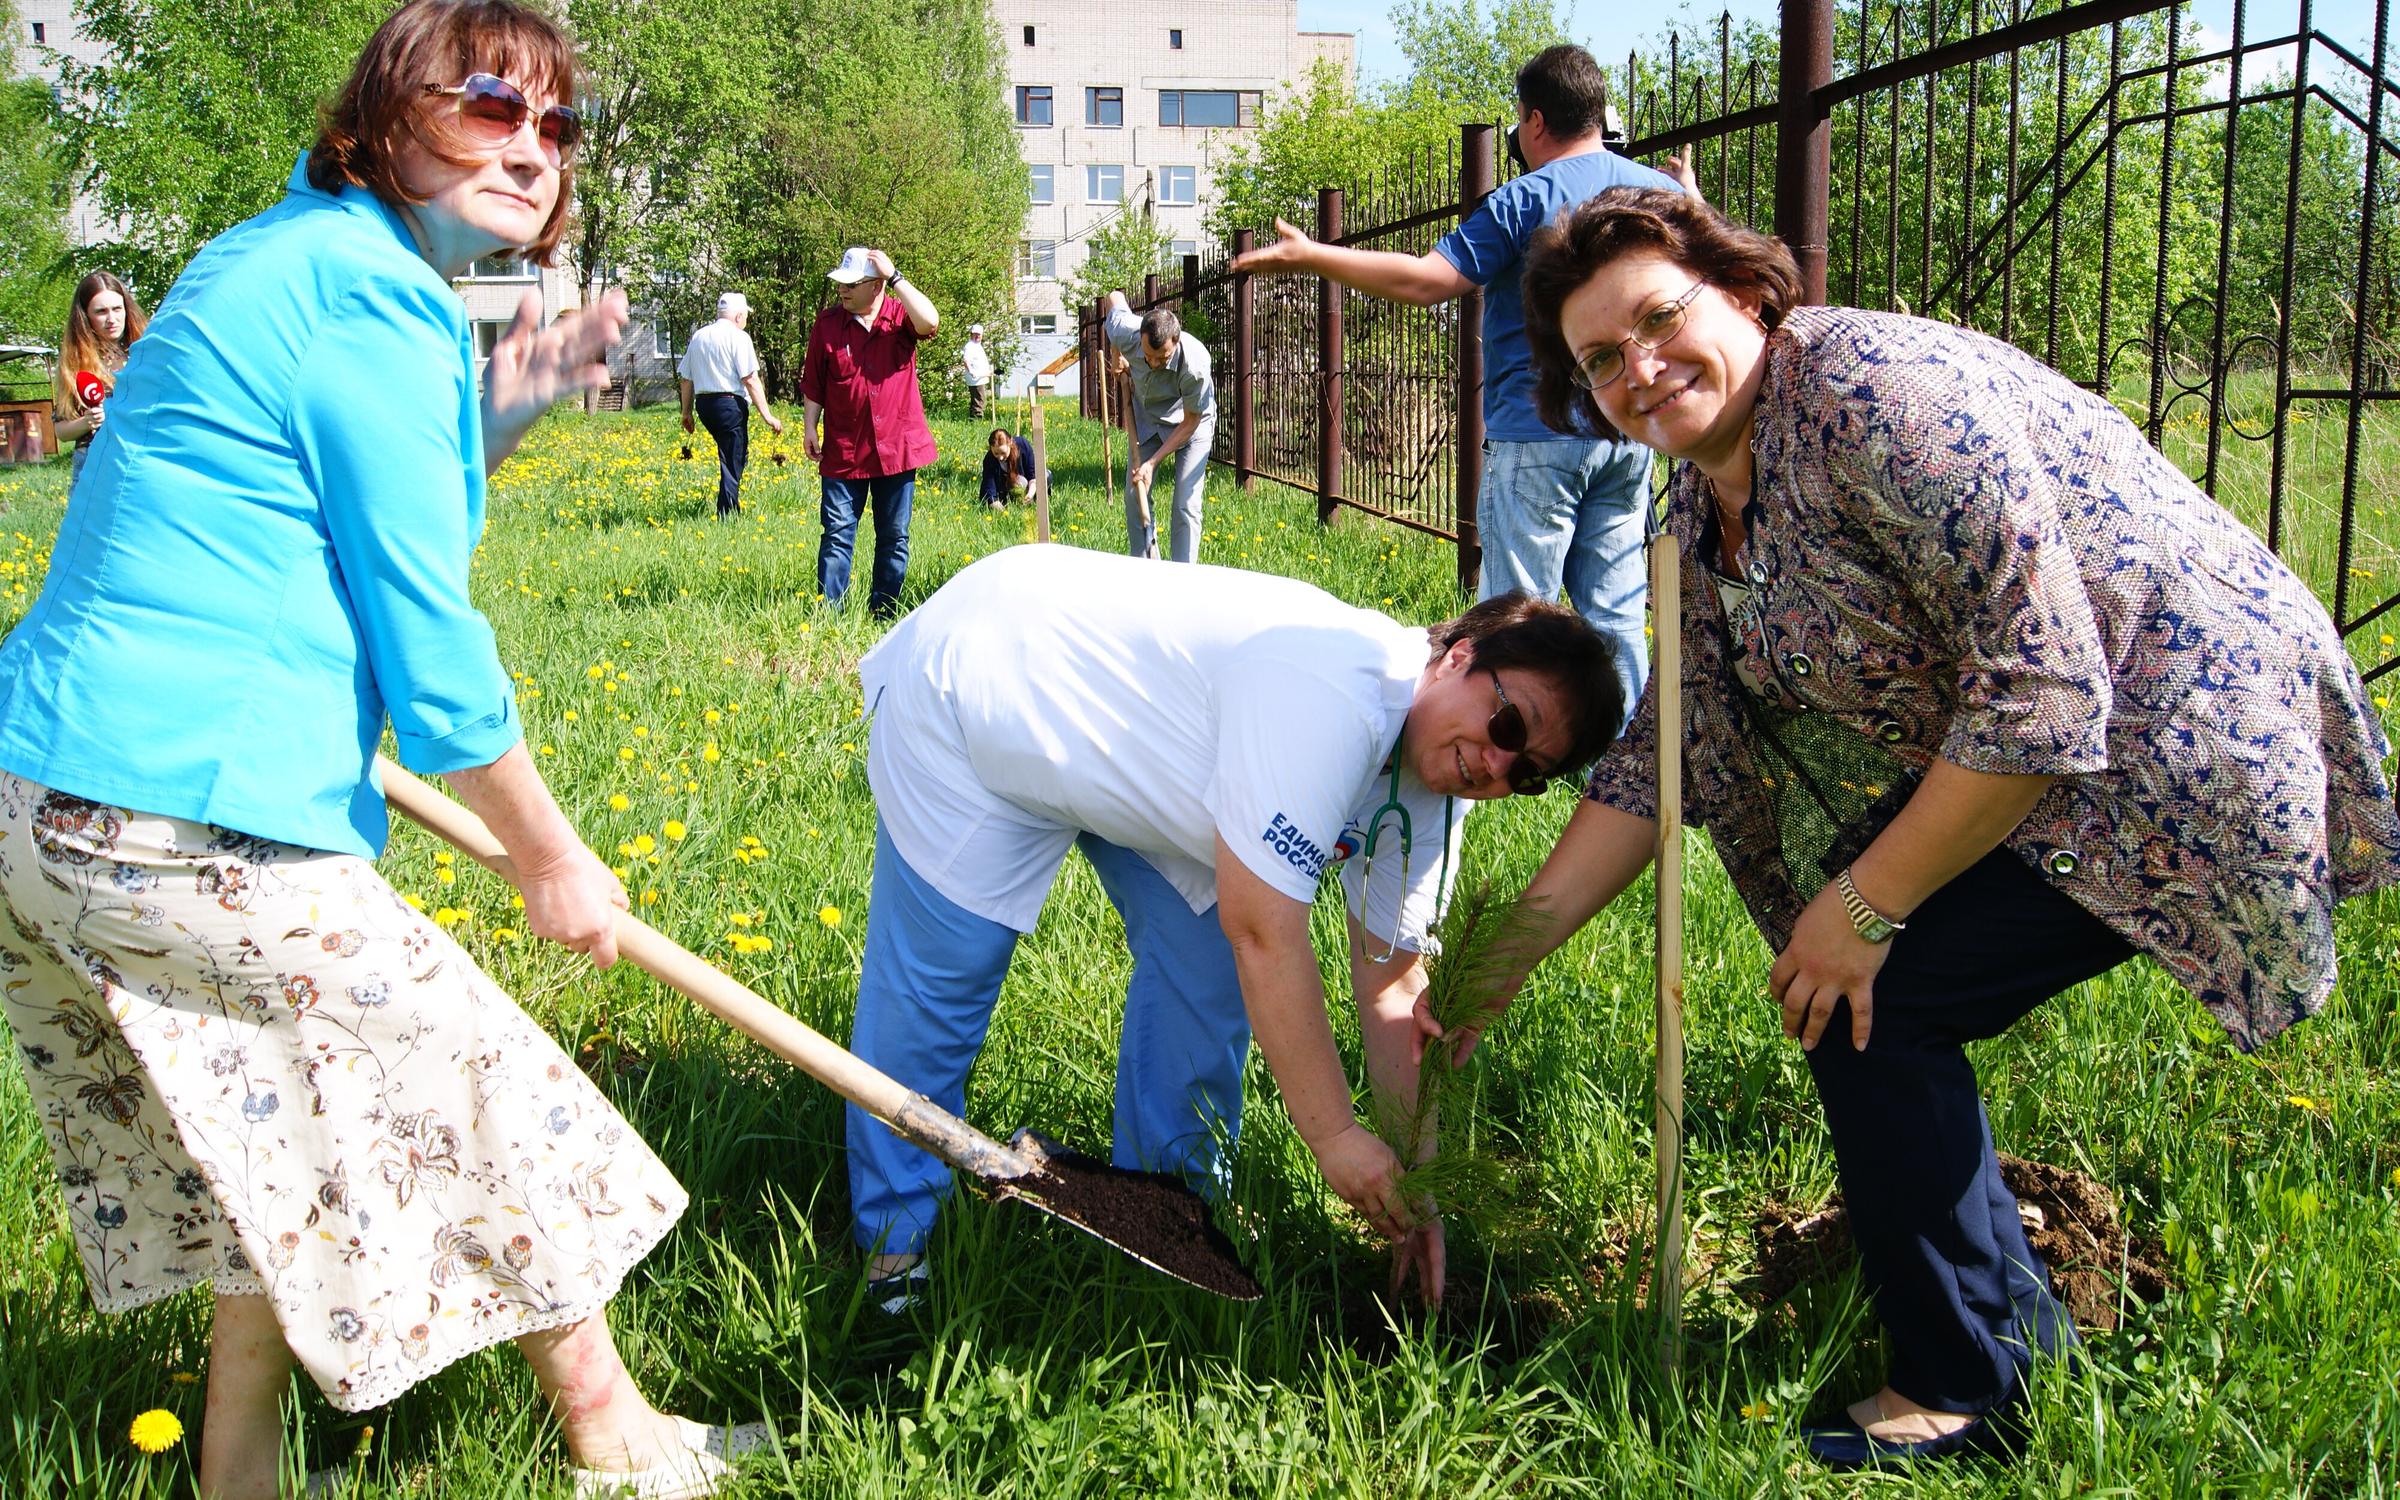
x=1603, y=365
x=493, y=112
x=1506, y=729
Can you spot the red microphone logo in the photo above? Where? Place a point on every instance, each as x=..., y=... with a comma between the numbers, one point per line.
x=90, y=389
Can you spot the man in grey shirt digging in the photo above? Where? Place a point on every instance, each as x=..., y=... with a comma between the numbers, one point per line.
x=1174, y=415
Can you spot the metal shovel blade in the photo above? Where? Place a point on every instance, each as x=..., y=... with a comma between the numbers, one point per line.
x=1152, y=1216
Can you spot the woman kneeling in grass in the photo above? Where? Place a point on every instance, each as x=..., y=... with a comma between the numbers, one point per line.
x=257, y=1067
x=1983, y=697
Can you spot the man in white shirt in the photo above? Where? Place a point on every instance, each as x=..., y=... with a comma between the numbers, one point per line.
x=1174, y=418
x=1213, y=741
x=978, y=363
x=718, y=378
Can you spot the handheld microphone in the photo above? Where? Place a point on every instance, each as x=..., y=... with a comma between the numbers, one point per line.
x=90, y=389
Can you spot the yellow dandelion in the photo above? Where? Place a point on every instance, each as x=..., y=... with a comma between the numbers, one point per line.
x=649, y=898
x=617, y=802
x=444, y=857
x=711, y=753
x=1757, y=1411
x=184, y=1377
x=414, y=900
x=675, y=830
x=2302, y=1101
x=503, y=935
x=156, y=1431
x=644, y=843
x=831, y=916
x=713, y=717
x=740, y=919
x=446, y=876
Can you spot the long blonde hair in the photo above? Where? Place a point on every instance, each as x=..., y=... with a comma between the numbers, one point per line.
x=84, y=349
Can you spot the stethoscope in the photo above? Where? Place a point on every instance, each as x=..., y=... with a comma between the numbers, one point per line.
x=1354, y=841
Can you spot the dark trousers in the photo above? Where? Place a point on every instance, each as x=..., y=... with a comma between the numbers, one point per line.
x=893, y=496
x=1964, y=1301
x=727, y=419
x=979, y=400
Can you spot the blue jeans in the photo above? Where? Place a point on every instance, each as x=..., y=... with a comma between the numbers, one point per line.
x=1572, y=513
x=1964, y=1300
x=930, y=975
x=892, y=497
x=727, y=419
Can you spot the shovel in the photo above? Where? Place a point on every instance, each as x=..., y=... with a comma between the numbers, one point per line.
x=1151, y=1216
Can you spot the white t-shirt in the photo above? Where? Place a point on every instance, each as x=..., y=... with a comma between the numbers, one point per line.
x=717, y=361
x=977, y=361
x=1047, y=691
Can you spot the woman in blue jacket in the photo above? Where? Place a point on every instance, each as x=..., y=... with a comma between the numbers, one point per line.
x=257, y=1066
x=1007, y=468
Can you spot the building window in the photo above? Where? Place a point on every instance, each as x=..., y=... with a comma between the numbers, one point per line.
x=1033, y=104
x=41, y=33
x=1103, y=184
x=499, y=268
x=487, y=336
x=1179, y=186
x=1037, y=323
x=1045, y=182
x=1028, y=36
x=1037, y=259
x=662, y=338
x=1174, y=40
x=1178, y=249
x=1103, y=106
x=1207, y=108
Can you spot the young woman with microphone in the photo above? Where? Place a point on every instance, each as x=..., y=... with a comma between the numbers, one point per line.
x=104, y=320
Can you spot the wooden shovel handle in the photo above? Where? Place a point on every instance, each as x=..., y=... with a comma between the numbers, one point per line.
x=725, y=997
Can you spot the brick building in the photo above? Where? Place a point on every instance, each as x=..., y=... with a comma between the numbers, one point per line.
x=1126, y=109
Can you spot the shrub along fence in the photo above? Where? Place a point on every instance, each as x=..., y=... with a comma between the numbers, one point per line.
x=2201, y=227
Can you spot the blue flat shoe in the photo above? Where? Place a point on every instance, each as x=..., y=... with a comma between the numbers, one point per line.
x=1850, y=1446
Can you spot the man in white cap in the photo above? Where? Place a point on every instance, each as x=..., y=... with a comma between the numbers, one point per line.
x=859, y=387
x=978, y=362
x=719, y=380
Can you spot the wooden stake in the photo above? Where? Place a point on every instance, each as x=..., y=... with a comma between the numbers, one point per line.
x=1041, y=468
x=1666, y=682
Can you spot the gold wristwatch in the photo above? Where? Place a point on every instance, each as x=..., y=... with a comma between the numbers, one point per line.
x=1872, y=925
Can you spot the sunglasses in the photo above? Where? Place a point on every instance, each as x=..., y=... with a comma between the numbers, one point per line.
x=1506, y=729
x=493, y=112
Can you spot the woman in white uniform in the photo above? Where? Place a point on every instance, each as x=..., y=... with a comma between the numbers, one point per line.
x=1212, y=740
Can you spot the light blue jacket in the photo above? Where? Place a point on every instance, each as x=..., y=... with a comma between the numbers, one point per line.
x=268, y=550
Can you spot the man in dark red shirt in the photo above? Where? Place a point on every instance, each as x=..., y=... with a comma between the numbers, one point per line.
x=859, y=385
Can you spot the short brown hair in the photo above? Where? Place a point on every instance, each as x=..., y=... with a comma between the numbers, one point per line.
x=439, y=42
x=1564, y=85
x=1610, y=225
x=1518, y=631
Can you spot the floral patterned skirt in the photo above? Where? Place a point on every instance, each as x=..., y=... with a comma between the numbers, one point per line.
x=256, y=1064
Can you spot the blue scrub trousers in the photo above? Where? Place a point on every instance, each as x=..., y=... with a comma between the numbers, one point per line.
x=932, y=973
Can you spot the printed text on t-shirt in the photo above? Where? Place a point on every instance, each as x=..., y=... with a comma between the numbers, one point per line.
x=1298, y=848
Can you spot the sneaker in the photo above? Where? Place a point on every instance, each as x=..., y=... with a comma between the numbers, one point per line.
x=901, y=1293
x=712, y=1452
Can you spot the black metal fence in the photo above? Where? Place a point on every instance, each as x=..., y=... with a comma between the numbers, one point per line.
x=2202, y=227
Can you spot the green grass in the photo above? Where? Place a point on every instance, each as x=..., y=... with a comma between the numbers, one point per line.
x=1051, y=1367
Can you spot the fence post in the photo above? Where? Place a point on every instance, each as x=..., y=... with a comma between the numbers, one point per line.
x=1804, y=138
x=1149, y=291
x=1475, y=181
x=1329, y=363
x=1244, y=339
x=1191, y=280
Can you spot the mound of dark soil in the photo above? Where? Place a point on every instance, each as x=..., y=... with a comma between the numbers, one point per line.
x=1152, y=1216
x=2074, y=1223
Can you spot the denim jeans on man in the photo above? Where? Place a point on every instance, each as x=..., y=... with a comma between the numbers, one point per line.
x=892, y=496
x=1190, y=466
x=929, y=977
x=727, y=418
x=1572, y=513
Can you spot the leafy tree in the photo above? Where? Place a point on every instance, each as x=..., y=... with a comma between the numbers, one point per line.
x=193, y=120
x=1118, y=256
x=36, y=274
x=886, y=126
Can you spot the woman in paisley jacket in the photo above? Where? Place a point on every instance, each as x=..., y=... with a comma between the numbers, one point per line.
x=256, y=1067
x=1982, y=697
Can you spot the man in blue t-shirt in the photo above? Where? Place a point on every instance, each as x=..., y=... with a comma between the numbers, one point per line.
x=1554, y=507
